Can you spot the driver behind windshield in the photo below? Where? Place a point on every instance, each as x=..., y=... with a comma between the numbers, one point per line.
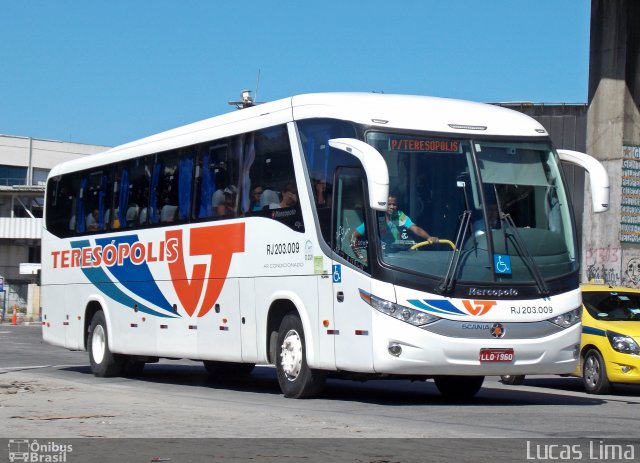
x=397, y=224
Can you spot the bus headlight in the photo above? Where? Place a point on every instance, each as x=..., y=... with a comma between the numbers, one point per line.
x=567, y=319
x=406, y=314
x=622, y=343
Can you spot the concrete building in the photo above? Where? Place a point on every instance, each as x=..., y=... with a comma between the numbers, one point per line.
x=611, y=241
x=24, y=165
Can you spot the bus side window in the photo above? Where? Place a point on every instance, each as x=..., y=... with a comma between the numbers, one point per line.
x=269, y=163
x=138, y=193
x=225, y=156
x=185, y=176
x=350, y=235
x=168, y=188
x=61, y=206
x=202, y=186
x=322, y=161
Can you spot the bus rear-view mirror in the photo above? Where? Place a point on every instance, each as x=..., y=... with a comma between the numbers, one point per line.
x=374, y=166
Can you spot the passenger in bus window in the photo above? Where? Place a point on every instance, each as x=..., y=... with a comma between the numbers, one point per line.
x=221, y=183
x=92, y=220
x=322, y=194
x=228, y=207
x=255, y=203
x=289, y=197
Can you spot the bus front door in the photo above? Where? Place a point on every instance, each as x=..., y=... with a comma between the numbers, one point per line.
x=349, y=274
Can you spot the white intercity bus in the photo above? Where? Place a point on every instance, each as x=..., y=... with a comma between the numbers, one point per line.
x=331, y=235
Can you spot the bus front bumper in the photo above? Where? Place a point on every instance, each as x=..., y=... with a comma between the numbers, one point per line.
x=403, y=349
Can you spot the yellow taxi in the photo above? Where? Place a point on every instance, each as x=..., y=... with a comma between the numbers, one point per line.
x=610, y=344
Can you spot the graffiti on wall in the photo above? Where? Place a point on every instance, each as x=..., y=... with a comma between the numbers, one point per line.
x=631, y=268
x=630, y=198
x=603, y=264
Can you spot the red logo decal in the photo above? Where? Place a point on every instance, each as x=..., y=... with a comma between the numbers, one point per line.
x=478, y=307
x=220, y=242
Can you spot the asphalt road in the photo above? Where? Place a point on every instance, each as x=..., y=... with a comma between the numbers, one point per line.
x=49, y=391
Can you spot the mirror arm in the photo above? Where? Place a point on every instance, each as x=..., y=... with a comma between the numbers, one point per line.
x=374, y=166
x=599, y=179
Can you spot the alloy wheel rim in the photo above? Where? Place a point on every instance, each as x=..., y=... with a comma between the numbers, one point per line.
x=592, y=370
x=291, y=355
x=98, y=343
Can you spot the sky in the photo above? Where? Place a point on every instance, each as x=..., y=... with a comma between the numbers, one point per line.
x=109, y=72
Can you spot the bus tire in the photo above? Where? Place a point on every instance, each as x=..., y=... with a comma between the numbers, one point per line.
x=459, y=387
x=104, y=363
x=512, y=380
x=594, y=373
x=296, y=379
x=228, y=370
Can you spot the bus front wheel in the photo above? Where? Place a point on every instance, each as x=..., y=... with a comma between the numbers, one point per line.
x=459, y=387
x=295, y=378
x=104, y=363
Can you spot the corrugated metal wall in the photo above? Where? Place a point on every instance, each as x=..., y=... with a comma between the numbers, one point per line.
x=20, y=228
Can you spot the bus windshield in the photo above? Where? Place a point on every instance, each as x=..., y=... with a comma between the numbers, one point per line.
x=500, y=206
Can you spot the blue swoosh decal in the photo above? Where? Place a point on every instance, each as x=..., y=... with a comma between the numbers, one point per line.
x=103, y=283
x=440, y=306
x=136, y=278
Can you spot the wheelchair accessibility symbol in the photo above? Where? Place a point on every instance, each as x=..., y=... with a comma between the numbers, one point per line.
x=337, y=273
x=502, y=264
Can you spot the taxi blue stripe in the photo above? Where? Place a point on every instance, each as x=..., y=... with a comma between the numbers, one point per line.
x=594, y=331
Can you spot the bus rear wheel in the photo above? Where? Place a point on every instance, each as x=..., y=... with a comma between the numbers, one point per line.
x=104, y=363
x=295, y=378
x=459, y=387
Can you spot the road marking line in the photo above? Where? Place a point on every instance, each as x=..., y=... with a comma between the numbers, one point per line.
x=35, y=367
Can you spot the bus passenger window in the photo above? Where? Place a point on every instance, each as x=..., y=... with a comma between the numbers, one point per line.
x=322, y=161
x=269, y=165
x=168, y=188
x=350, y=236
x=225, y=156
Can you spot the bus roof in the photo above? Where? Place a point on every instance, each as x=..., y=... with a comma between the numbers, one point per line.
x=410, y=112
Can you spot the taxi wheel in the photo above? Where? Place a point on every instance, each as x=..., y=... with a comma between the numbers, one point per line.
x=594, y=373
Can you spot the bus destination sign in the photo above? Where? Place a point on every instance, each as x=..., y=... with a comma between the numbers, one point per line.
x=425, y=145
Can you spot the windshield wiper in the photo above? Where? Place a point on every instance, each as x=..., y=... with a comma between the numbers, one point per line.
x=524, y=253
x=446, y=285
